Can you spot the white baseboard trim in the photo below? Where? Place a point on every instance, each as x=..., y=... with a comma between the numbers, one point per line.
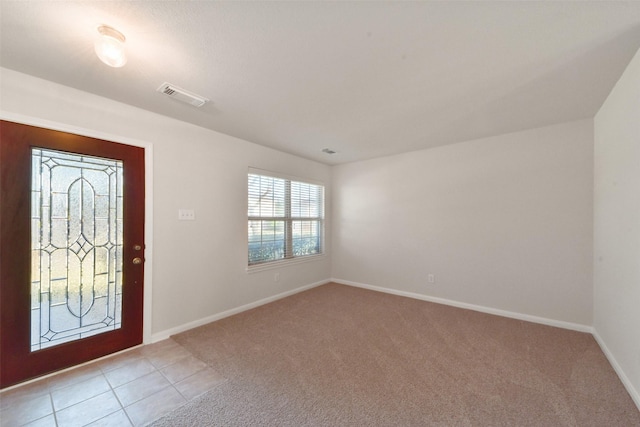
x=635, y=395
x=163, y=335
x=504, y=313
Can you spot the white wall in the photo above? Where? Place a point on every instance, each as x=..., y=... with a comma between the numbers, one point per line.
x=199, y=266
x=617, y=227
x=503, y=223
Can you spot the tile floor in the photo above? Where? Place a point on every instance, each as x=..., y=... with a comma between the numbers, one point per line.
x=132, y=388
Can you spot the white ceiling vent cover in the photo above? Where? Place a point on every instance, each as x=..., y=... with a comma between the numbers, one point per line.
x=182, y=95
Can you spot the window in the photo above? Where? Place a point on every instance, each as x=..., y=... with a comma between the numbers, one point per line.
x=285, y=218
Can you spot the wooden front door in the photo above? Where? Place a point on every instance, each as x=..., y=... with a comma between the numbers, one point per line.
x=71, y=250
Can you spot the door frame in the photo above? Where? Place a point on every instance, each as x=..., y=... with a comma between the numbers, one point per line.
x=148, y=181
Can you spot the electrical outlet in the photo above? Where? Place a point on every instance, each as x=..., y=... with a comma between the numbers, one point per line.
x=431, y=278
x=186, y=214
x=276, y=277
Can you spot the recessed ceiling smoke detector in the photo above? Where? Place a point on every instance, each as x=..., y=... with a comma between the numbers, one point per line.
x=180, y=94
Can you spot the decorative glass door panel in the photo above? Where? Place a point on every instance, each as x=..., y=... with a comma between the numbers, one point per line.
x=77, y=240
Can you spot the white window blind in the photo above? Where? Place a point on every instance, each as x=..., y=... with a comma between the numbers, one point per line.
x=285, y=218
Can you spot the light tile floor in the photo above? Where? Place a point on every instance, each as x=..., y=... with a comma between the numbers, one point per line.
x=132, y=388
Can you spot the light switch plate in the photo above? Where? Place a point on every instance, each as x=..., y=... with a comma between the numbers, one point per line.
x=186, y=214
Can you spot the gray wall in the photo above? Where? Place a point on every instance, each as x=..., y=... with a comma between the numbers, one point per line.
x=503, y=222
x=617, y=227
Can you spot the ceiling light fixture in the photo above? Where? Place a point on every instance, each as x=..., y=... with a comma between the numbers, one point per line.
x=110, y=46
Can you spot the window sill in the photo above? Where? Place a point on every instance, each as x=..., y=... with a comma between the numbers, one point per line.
x=283, y=263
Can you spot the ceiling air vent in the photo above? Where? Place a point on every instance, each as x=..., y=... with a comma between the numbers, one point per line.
x=182, y=95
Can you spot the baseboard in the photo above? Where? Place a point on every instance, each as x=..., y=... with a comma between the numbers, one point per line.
x=504, y=313
x=159, y=336
x=616, y=367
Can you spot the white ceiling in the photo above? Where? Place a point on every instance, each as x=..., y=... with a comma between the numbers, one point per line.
x=366, y=79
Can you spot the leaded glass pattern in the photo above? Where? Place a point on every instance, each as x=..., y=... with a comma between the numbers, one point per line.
x=77, y=241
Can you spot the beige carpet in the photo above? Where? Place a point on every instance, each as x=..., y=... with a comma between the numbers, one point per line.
x=342, y=356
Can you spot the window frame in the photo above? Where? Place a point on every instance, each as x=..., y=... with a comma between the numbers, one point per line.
x=288, y=221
